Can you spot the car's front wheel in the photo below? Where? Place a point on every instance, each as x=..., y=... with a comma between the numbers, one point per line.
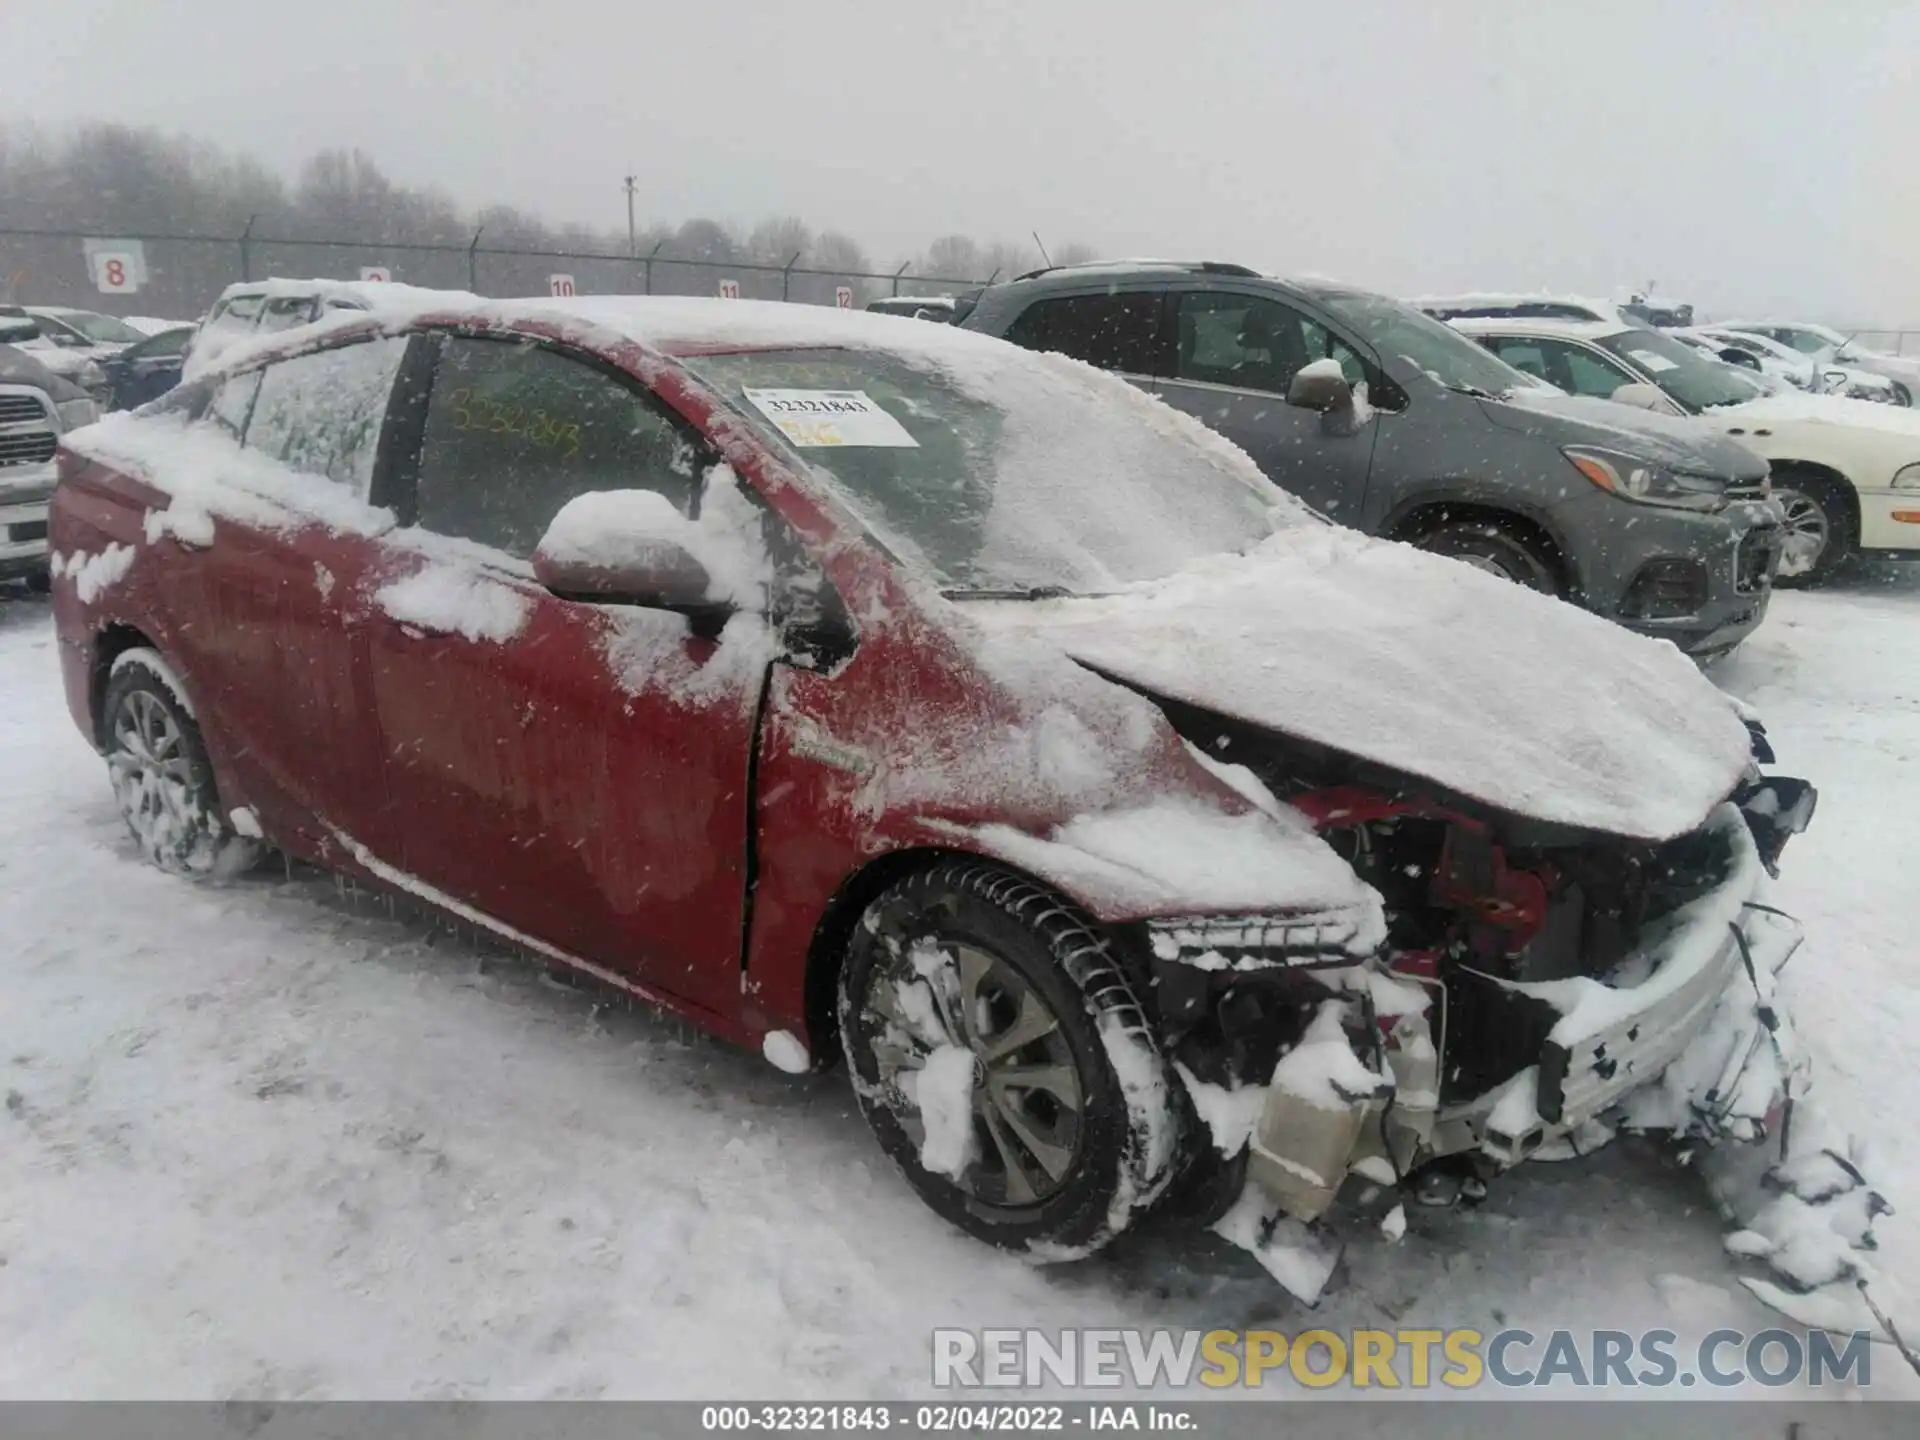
x=1818, y=537
x=161, y=777
x=1497, y=549
x=1003, y=1061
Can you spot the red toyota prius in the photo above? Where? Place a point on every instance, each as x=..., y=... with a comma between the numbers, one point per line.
x=860, y=687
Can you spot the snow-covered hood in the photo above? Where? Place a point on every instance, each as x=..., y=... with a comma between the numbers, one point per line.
x=1427, y=666
x=1826, y=410
x=1677, y=442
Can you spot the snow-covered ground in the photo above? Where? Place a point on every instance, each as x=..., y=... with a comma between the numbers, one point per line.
x=267, y=1140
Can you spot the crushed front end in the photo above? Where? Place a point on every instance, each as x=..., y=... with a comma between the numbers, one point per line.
x=1540, y=988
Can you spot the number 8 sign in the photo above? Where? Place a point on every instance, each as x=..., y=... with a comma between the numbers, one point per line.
x=114, y=273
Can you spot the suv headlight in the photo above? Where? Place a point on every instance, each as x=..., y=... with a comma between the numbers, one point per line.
x=75, y=413
x=1644, y=481
x=1907, y=477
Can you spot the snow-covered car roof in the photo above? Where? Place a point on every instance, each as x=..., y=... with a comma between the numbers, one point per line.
x=1533, y=325
x=365, y=294
x=1826, y=332
x=1515, y=304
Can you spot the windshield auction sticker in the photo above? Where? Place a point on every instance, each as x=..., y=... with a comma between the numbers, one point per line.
x=830, y=417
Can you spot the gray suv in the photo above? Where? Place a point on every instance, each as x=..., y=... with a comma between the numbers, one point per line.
x=1387, y=420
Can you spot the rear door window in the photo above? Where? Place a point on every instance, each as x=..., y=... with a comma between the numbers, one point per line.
x=514, y=431
x=1252, y=343
x=1113, y=331
x=321, y=413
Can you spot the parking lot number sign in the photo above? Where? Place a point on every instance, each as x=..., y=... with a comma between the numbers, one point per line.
x=379, y=274
x=729, y=289
x=560, y=286
x=115, y=272
x=843, y=296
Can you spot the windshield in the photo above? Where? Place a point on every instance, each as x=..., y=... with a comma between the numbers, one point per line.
x=1020, y=475
x=1443, y=352
x=100, y=329
x=1692, y=380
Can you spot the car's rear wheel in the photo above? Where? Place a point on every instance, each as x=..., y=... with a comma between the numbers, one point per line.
x=1003, y=1061
x=161, y=777
x=1902, y=395
x=1497, y=549
x=1818, y=538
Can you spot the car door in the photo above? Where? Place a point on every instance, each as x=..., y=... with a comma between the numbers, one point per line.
x=575, y=772
x=1234, y=354
x=273, y=642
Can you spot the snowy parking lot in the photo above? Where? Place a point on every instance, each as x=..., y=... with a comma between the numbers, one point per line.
x=271, y=1140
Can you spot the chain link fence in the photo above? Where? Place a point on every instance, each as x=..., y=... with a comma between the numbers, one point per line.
x=184, y=273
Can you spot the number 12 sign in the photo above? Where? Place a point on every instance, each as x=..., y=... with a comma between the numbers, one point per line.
x=560, y=286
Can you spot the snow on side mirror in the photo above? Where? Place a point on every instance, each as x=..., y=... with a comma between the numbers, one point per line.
x=628, y=547
x=1321, y=386
x=1642, y=397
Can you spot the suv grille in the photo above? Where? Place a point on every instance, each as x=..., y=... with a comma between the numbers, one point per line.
x=20, y=409
x=30, y=449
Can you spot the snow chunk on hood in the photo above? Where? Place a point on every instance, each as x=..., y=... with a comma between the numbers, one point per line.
x=1425, y=665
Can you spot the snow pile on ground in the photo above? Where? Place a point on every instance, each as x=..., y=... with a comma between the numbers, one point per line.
x=449, y=600
x=1423, y=664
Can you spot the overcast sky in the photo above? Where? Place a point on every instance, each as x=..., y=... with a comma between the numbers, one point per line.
x=1751, y=154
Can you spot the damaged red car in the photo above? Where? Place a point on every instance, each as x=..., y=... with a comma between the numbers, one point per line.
x=868, y=690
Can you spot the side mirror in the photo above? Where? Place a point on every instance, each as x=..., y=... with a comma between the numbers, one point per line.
x=654, y=572
x=631, y=547
x=1642, y=396
x=1733, y=356
x=1320, y=386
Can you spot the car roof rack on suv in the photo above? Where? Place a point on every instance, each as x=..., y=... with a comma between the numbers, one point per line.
x=1204, y=267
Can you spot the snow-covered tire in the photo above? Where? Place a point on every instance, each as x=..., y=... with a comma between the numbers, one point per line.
x=1821, y=532
x=1496, y=548
x=1009, y=982
x=161, y=777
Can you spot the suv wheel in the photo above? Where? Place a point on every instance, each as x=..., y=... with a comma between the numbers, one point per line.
x=1493, y=547
x=161, y=776
x=1818, y=538
x=1003, y=1061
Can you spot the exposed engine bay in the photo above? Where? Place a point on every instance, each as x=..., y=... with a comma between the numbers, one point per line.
x=1534, y=979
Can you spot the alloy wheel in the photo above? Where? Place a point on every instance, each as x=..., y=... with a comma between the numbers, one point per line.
x=1026, y=1099
x=1807, y=534
x=152, y=774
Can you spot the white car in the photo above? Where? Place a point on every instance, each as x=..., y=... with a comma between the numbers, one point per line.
x=265, y=307
x=1822, y=344
x=98, y=335
x=1847, y=472
x=76, y=364
x=1803, y=372
x=37, y=408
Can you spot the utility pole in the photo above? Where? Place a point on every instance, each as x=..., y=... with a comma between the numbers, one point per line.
x=632, y=244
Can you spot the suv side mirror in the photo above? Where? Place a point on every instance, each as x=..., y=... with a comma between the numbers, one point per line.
x=1733, y=356
x=1642, y=396
x=1320, y=386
